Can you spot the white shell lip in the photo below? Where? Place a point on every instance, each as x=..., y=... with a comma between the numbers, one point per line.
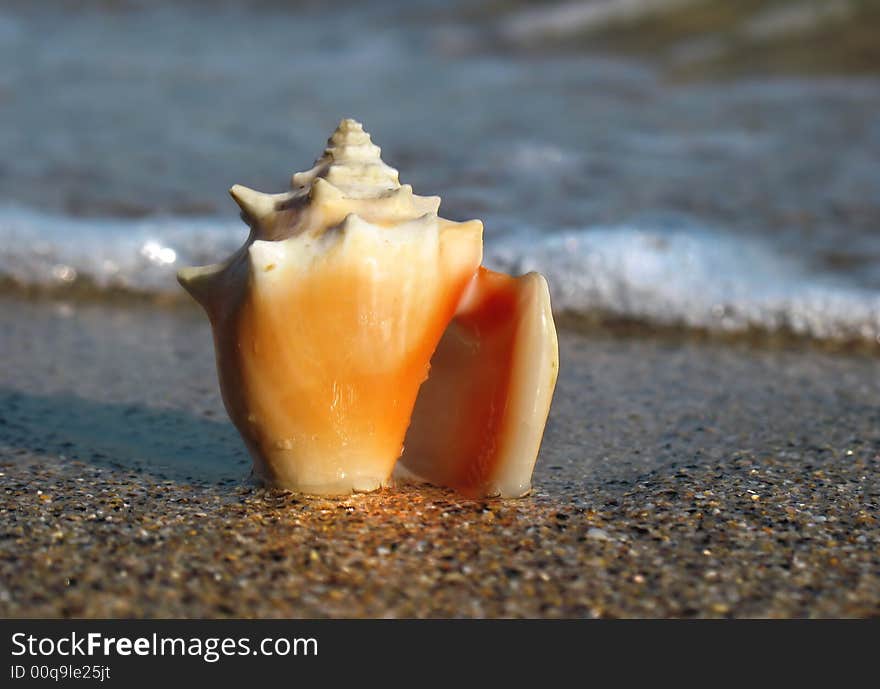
x=536, y=367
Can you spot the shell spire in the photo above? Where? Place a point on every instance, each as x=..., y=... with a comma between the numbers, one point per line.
x=352, y=163
x=349, y=177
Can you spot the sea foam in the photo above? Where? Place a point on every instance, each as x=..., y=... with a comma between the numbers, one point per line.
x=663, y=274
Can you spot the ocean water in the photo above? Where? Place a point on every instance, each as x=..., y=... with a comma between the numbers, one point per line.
x=736, y=205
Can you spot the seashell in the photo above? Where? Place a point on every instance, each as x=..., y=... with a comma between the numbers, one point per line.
x=325, y=323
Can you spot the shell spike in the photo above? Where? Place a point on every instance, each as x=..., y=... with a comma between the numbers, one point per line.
x=201, y=282
x=352, y=222
x=322, y=191
x=255, y=204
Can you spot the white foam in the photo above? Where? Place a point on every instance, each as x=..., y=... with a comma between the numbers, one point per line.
x=663, y=274
x=691, y=277
x=47, y=250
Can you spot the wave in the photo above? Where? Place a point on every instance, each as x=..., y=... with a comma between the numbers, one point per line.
x=47, y=251
x=660, y=274
x=695, y=278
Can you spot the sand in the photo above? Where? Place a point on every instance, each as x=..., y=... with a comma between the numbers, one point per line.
x=677, y=478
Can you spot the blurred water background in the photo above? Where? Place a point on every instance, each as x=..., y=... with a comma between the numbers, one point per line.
x=698, y=163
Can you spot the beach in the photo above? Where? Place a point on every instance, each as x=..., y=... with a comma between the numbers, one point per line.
x=698, y=182
x=679, y=476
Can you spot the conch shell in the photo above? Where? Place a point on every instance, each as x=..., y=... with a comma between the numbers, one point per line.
x=325, y=324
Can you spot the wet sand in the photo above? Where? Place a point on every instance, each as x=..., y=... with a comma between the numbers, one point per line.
x=677, y=478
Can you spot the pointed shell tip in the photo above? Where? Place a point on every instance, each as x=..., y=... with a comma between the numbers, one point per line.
x=254, y=203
